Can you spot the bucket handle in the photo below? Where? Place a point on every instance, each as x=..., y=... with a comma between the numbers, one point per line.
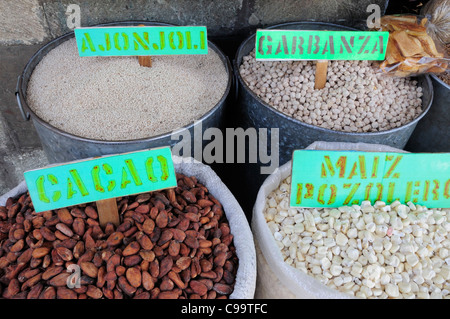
x=26, y=116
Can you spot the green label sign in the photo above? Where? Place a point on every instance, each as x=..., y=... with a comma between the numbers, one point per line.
x=100, y=178
x=340, y=178
x=320, y=45
x=148, y=40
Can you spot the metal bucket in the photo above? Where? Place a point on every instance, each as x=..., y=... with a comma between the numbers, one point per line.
x=432, y=133
x=294, y=134
x=60, y=146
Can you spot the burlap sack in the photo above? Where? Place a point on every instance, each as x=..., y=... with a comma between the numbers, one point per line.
x=275, y=278
x=243, y=239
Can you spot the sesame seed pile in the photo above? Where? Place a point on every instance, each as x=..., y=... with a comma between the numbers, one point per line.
x=114, y=98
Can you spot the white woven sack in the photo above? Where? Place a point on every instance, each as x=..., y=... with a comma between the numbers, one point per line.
x=243, y=239
x=275, y=278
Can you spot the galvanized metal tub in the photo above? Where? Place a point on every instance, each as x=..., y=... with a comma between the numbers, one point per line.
x=432, y=133
x=295, y=134
x=60, y=146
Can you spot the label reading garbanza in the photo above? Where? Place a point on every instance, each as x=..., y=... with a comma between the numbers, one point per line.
x=320, y=45
x=101, y=178
x=145, y=40
x=341, y=178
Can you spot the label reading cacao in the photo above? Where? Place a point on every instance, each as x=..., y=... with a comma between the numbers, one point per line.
x=101, y=178
x=341, y=178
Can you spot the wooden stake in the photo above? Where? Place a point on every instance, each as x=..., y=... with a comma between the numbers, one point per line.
x=145, y=60
x=107, y=211
x=321, y=74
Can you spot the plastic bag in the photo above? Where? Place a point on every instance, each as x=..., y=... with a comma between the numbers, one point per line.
x=411, y=50
x=243, y=239
x=275, y=278
x=438, y=12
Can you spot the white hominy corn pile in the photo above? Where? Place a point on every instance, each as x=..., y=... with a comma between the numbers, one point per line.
x=354, y=99
x=114, y=98
x=369, y=251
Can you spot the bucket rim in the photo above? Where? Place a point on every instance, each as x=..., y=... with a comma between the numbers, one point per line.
x=239, y=55
x=65, y=37
x=435, y=77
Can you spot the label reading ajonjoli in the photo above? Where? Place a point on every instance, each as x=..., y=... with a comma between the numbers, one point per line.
x=146, y=40
x=340, y=178
x=101, y=178
x=320, y=45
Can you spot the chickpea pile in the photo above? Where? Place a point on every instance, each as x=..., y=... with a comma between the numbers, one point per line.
x=355, y=97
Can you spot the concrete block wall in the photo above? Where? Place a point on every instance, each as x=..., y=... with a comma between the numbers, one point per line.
x=34, y=21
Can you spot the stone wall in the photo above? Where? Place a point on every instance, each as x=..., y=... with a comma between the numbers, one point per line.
x=37, y=21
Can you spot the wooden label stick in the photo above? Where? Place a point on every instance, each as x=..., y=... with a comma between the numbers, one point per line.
x=108, y=212
x=145, y=60
x=321, y=74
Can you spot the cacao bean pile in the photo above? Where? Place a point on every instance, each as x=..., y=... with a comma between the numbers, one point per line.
x=174, y=243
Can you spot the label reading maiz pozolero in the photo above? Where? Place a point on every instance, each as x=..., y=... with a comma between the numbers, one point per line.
x=141, y=40
x=320, y=45
x=340, y=178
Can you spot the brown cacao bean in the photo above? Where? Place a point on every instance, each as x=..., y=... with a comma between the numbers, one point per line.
x=168, y=295
x=48, y=293
x=132, y=260
x=222, y=289
x=183, y=262
x=31, y=282
x=125, y=286
x=89, y=269
x=94, y=292
x=35, y=291
x=115, y=239
x=198, y=287
x=174, y=248
x=145, y=242
x=51, y=272
x=40, y=252
x=64, y=216
x=59, y=280
x=64, y=253
x=91, y=212
x=65, y=293
x=134, y=276
x=148, y=226
x=47, y=234
x=165, y=266
x=78, y=226
x=162, y=219
x=131, y=249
